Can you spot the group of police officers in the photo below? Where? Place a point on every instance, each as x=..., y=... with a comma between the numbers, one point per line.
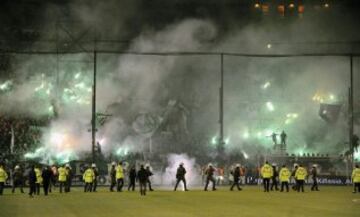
x=48, y=176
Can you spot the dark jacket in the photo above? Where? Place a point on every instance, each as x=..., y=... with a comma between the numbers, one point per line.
x=142, y=175
x=32, y=177
x=132, y=174
x=180, y=173
x=18, y=175
x=113, y=173
x=314, y=173
x=236, y=174
x=46, y=175
x=210, y=172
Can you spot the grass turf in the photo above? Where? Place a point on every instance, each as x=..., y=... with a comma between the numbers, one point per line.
x=329, y=202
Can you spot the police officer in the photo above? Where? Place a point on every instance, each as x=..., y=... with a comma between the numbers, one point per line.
x=32, y=181
x=284, y=178
x=300, y=176
x=180, y=176
x=266, y=174
x=132, y=178
x=46, y=176
x=3, y=178
x=142, y=177
x=96, y=176
x=119, y=177
x=18, y=179
x=88, y=178
x=112, y=176
x=69, y=175
x=38, y=179
x=356, y=178
x=149, y=174
x=274, y=178
x=62, y=177
x=314, y=186
x=210, y=177
x=236, y=174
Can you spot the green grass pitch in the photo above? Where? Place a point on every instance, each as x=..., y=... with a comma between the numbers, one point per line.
x=329, y=202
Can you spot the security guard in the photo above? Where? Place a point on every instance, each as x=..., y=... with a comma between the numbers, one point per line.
x=356, y=178
x=18, y=179
x=62, y=177
x=284, y=175
x=300, y=176
x=3, y=178
x=112, y=176
x=210, y=177
x=39, y=179
x=266, y=174
x=236, y=175
x=119, y=177
x=180, y=176
x=88, y=178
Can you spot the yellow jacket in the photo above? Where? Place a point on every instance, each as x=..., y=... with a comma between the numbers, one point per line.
x=267, y=171
x=356, y=175
x=301, y=173
x=62, y=174
x=89, y=175
x=284, y=174
x=119, y=172
x=3, y=175
x=39, y=178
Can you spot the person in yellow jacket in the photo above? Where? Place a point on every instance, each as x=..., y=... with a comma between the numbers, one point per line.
x=119, y=177
x=284, y=176
x=300, y=176
x=88, y=178
x=39, y=179
x=356, y=178
x=62, y=177
x=3, y=178
x=266, y=174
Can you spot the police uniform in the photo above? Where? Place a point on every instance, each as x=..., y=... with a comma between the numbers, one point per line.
x=62, y=177
x=88, y=178
x=300, y=176
x=180, y=176
x=3, y=178
x=266, y=173
x=284, y=176
x=210, y=177
x=236, y=174
x=132, y=179
x=38, y=180
x=119, y=177
x=356, y=179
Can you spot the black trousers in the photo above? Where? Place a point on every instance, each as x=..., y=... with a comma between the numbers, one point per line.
x=149, y=183
x=2, y=184
x=37, y=186
x=68, y=185
x=62, y=185
x=120, y=184
x=210, y=179
x=178, y=180
x=286, y=184
x=18, y=183
x=314, y=185
x=235, y=183
x=300, y=185
x=94, y=185
x=143, y=188
x=357, y=186
x=88, y=187
x=46, y=185
x=266, y=184
x=274, y=183
x=131, y=184
x=32, y=188
x=294, y=187
x=112, y=184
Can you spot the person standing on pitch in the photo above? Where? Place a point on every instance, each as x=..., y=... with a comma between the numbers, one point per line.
x=38, y=179
x=88, y=178
x=112, y=176
x=32, y=181
x=180, y=176
x=294, y=187
x=96, y=176
x=284, y=178
x=300, y=176
x=210, y=177
x=46, y=176
x=142, y=176
x=132, y=178
x=119, y=177
x=274, y=178
x=62, y=177
x=236, y=174
x=314, y=186
x=68, y=178
x=266, y=174
x=149, y=174
x=3, y=178
x=18, y=179
x=356, y=178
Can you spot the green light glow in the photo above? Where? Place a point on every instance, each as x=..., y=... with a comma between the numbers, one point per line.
x=246, y=135
x=266, y=85
x=270, y=106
